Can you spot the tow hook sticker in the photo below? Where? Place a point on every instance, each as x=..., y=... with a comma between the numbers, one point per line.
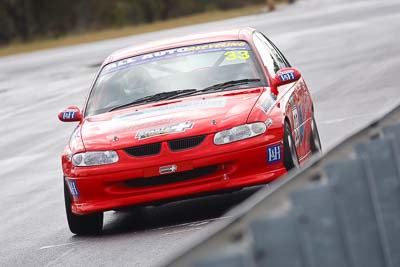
x=168, y=169
x=72, y=188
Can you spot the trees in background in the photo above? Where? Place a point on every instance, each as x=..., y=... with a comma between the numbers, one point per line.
x=24, y=20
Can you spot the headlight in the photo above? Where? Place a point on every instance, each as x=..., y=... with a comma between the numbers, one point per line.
x=93, y=158
x=239, y=133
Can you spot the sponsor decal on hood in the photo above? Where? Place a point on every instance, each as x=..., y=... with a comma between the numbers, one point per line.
x=164, y=129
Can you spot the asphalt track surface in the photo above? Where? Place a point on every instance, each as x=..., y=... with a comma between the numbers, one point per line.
x=347, y=50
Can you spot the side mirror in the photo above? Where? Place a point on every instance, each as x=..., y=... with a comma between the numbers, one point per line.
x=71, y=113
x=285, y=76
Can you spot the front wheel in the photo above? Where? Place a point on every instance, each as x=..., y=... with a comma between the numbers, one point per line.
x=90, y=224
x=291, y=159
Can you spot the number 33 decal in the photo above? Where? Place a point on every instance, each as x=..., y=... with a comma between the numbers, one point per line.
x=235, y=55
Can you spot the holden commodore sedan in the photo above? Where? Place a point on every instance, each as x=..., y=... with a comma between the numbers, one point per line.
x=183, y=117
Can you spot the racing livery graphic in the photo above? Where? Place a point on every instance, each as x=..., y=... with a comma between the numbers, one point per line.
x=166, y=129
x=185, y=117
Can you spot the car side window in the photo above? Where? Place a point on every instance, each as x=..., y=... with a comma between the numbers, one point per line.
x=271, y=57
x=277, y=52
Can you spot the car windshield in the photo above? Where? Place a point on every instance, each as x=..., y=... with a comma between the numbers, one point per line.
x=174, y=73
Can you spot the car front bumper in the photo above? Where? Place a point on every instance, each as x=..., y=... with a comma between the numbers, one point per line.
x=136, y=181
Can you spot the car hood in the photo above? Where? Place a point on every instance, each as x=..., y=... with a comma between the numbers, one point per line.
x=168, y=120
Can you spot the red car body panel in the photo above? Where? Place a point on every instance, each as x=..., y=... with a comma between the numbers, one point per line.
x=134, y=179
x=228, y=109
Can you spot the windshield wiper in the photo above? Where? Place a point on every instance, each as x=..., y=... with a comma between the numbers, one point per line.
x=221, y=86
x=184, y=92
x=216, y=87
x=154, y=98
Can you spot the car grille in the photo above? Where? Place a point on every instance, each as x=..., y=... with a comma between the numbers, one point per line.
x=174, y=145
x=144, y=150
x=172, y=177
x=186, y=143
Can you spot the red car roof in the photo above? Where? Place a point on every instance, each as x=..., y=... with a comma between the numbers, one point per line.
x=236, y=34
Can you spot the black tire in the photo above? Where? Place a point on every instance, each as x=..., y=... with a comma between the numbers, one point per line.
x=91, y=224
x=315, y=142
x=290, y=157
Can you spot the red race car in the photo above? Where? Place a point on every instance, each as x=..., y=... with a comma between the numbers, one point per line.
x=182, y=117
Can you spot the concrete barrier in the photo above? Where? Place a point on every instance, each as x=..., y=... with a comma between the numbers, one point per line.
x=342, y=209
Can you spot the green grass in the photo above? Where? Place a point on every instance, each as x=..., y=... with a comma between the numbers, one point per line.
x=73, y=39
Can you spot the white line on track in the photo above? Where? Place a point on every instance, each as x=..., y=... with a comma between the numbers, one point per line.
x=194, y=226
x=182, y=231
x=199, y=224
x=60, y=245
x=191, y=223
x=346, y=118
x=53, y=262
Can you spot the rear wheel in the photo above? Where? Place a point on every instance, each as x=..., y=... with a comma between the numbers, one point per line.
x=315, y=142
x=291, y=159
x=91, y=224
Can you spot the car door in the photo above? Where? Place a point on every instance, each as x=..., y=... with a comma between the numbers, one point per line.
x=274, y=60
x=304, y=111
